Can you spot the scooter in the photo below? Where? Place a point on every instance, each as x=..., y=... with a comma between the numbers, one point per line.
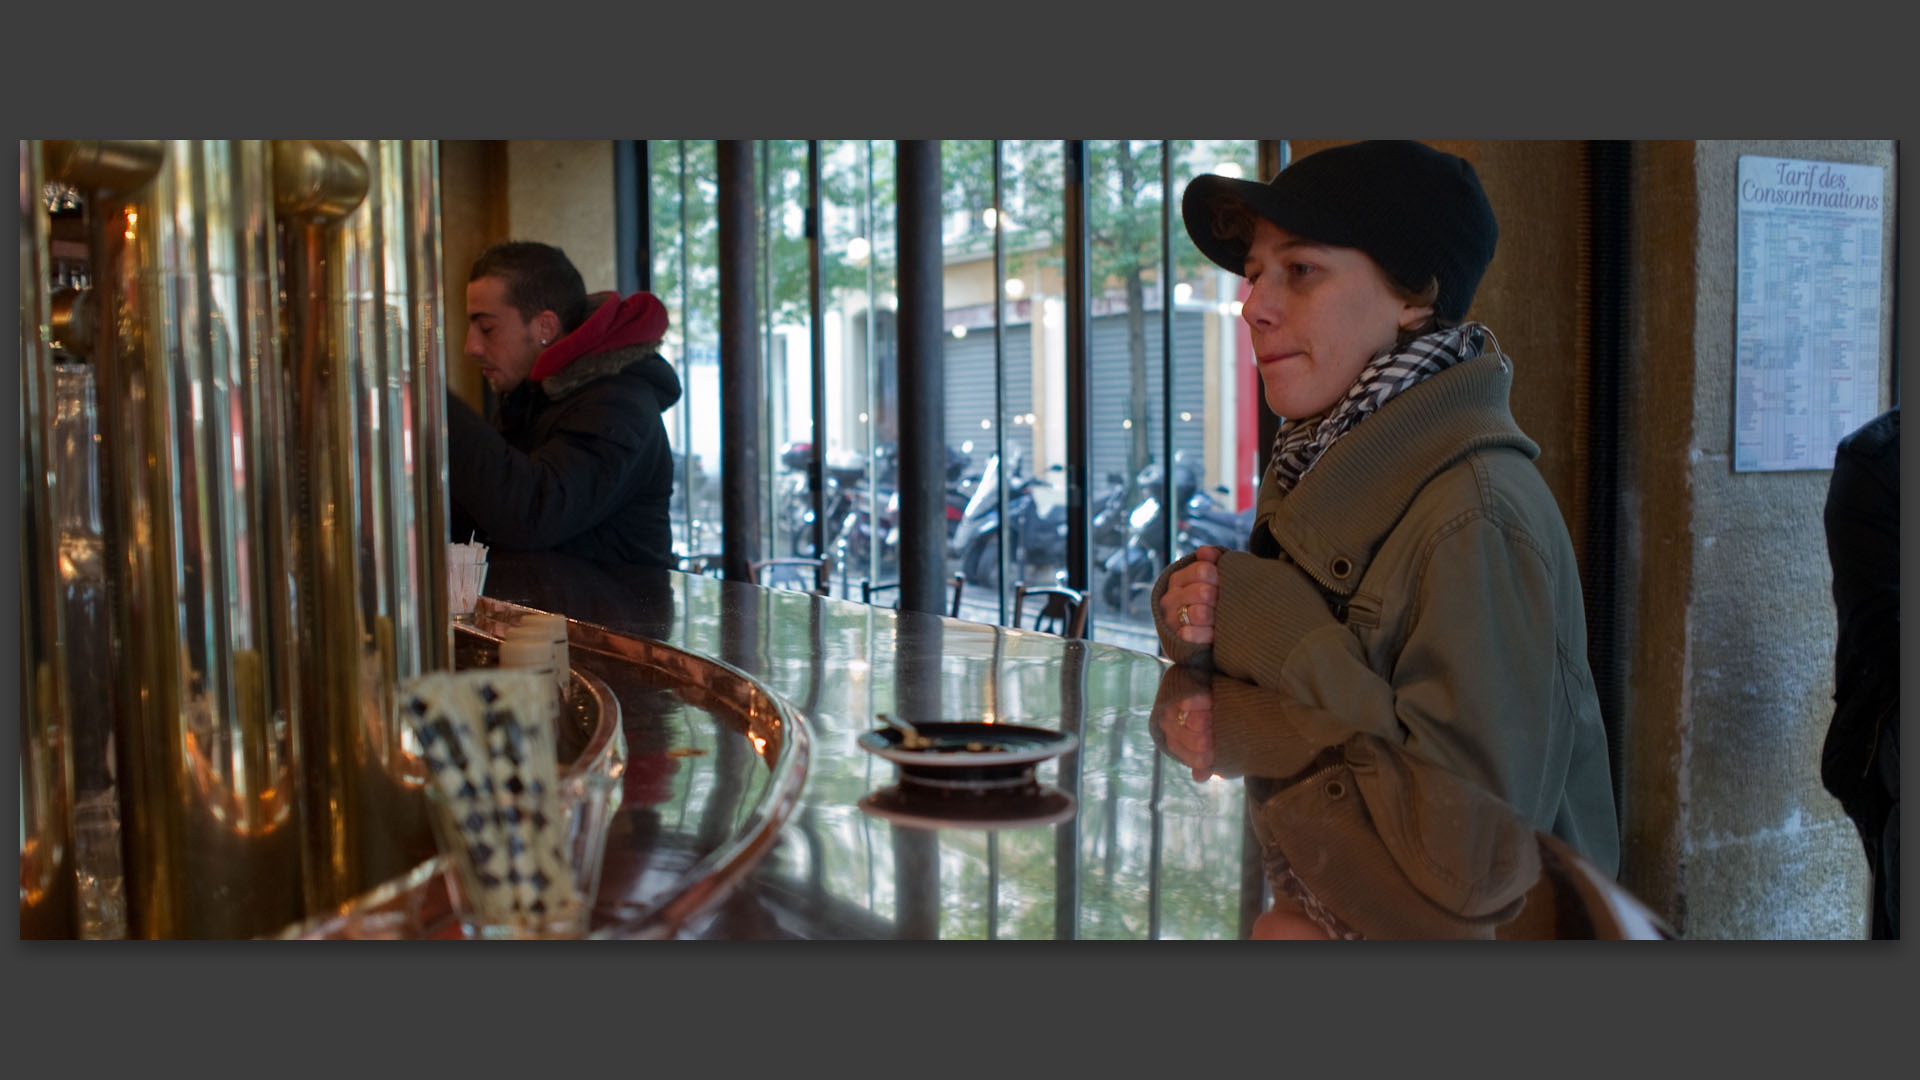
x=1110, y=520
x=1131, y=570
x=845, y=502
x=1036, y=533
x=960, y=487
x=1209, y=522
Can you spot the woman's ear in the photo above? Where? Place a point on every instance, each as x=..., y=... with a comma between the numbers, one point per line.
x=1413, y=315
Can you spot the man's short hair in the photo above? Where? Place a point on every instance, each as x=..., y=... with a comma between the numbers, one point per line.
x=539, y=277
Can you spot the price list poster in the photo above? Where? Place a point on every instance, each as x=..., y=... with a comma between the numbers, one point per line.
x=1807, y=355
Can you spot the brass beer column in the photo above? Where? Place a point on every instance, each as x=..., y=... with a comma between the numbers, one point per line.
x=391, y=276
x=47, y=886
x=315, y=184
x=370, y=520
x=417, y=179
x=194, y=491
x=400, y=538
x=107, y=171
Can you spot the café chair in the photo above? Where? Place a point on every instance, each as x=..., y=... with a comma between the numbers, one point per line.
x=869, y=590
x=1575, y=899
x=789, y=573
x=708, y=563
x=1060, y=610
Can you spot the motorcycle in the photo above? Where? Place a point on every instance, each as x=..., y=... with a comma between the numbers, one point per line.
x=1207, y=522
x=847, y=531
x=1110, y=520
x=1036, y=534
x=1129, y=573
x=960, y=485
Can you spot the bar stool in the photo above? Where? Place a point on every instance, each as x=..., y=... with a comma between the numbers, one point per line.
x=1061, y=611
x=772, y=572
x=869, y=590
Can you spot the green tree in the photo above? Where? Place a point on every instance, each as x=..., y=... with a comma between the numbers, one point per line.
x=1124, y=197
x=685, y=223
x=1124, y=208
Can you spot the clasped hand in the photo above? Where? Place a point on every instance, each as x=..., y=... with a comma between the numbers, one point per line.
x=1193, y=593
x=1183, y=713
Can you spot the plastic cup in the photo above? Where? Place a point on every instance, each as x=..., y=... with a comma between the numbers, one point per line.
x=493, y=906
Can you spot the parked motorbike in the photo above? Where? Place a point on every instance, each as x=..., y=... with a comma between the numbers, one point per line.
x=960, y=486
x=845, y=502
x=1209, y=522
x=1110, y=518
x=849, y=533
x=1129, y=573
x=1036, y=533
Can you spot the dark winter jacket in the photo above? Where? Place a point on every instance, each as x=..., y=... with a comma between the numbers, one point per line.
x=577, y=462
x=1860, y=763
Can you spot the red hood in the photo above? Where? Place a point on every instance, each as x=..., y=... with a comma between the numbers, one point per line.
x=649, y=779
x=638, y=320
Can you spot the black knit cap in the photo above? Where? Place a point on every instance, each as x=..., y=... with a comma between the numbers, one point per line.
x=1416, y=211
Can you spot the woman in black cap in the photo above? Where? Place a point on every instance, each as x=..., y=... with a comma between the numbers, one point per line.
x=1409, y=574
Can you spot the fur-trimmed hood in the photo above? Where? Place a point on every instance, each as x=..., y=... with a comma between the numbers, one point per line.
x=643, y=360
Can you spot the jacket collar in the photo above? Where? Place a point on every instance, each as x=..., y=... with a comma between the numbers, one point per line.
x=1337, y=515
x=593, y=368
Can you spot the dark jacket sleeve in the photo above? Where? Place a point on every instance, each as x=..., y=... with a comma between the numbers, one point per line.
x=1862, y=519
x=568, y=484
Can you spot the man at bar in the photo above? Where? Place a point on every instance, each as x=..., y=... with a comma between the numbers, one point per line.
x=576, y=458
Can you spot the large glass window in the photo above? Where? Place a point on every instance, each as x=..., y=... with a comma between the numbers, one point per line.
x=1127, y=347
x=786, y=317
x=1012, y=431
x=686, y=278
x=1158, y=376
x=861, y=348
x=1216, y=399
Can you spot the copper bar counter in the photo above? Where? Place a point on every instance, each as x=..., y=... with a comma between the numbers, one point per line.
x=747, y=828
x=750, y=811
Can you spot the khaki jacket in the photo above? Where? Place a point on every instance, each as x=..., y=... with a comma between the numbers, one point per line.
x=1421, y=587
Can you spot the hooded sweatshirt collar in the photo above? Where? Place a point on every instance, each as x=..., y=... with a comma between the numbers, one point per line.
x=640, y=319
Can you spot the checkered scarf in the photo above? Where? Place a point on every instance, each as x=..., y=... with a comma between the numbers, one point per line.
x=1299, y=443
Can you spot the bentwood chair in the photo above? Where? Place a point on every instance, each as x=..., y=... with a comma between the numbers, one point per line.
x=790, y=573
x=707, y=563
x=1059, y=610
x=869, y=590
x=1576, y=899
